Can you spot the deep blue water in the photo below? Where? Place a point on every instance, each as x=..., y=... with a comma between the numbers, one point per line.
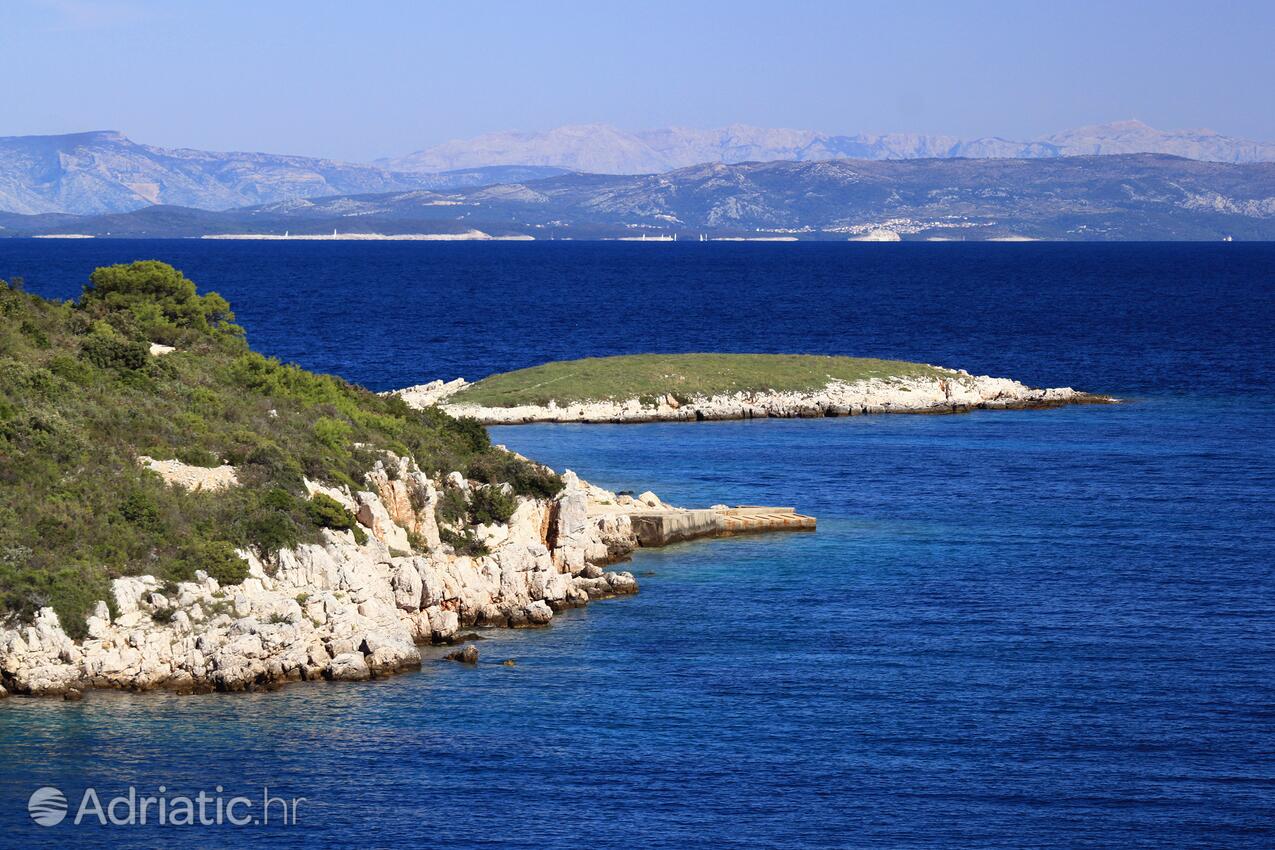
x=1012, y=629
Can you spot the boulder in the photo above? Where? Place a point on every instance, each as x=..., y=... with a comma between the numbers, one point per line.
x=393, y=658
x=444, y=624
x=573, y=514
x=373, y=515
x=348, y=667
x=129, y=590
x=407, y=585
x=99, y=622
x=539, y=613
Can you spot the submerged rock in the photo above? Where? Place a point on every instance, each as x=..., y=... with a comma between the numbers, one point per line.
x=468, y=655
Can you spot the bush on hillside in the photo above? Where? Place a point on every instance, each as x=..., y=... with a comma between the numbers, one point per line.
x=326, y=512
x=491, y=504
x=215, y=557
x=152, y=300
x=112, y=351
x=452, y=508
x=464, y=542
x=527, y=479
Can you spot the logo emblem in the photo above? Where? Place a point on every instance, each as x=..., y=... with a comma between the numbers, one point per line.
x=47, y=806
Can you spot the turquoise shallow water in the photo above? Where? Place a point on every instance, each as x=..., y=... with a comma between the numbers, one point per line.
x=1013, y=628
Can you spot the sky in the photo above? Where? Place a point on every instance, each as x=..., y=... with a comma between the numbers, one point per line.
x=358, y=81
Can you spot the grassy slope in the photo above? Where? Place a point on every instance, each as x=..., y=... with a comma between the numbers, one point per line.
x=80, y=398
x=684, y=375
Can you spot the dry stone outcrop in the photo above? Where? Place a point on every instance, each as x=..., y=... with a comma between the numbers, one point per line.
x=334, y=610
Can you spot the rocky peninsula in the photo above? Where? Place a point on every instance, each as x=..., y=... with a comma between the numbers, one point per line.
x=339, y=609
x=698, y=387
x=181, y=512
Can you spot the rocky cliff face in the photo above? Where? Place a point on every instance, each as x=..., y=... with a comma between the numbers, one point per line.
x=337, y=610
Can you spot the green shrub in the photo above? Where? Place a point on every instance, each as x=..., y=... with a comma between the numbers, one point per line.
x=274, y=464
x=151, y=298
x=270, y=530
x=326, y=512
x=220, y=560
x=452, y=508
x=141, y=509
x=196, y=456
x=70, y=369
x=416, y=496
x=464, y=543
x=528, y=479
x=470, y=431
x=279, y=499
x=491, y=504
x=36, y=334
x=333, y=433
x=121, y=355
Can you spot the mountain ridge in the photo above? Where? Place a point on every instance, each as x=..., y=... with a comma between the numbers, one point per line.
x=1111, y=197
x=103, y=171
x=602, y=148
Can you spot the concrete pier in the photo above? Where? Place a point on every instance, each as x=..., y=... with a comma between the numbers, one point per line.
x=661, y=527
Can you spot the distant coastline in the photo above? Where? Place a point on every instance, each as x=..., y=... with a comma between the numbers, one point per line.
x=1058, y=199
x=468, y=235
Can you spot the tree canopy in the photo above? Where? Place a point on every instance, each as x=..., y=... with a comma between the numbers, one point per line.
x=152, y=299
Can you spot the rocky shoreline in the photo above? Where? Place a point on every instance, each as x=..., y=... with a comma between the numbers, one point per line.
x=338, y=610
x=960, y=393
x=344, y=610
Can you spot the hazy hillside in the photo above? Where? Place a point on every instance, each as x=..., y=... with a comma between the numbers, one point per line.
x=104, y=172
x=604, y=149
x=1140, y=196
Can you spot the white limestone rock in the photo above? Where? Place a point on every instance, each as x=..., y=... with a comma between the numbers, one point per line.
x=373, y=515
x=327, y=610
x=348, y=667
x=951, y=390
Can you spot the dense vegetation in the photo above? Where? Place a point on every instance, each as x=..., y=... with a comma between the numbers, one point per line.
x=81, y=398
x=684, y=376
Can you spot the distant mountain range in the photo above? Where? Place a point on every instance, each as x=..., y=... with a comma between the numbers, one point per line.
x=105, y=172
x=1110, y=197
x=603, y=149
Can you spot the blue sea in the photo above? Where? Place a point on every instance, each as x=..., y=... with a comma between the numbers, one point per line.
x=1011, y=629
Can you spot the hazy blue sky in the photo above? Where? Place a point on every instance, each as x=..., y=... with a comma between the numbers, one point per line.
x=361, y=80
